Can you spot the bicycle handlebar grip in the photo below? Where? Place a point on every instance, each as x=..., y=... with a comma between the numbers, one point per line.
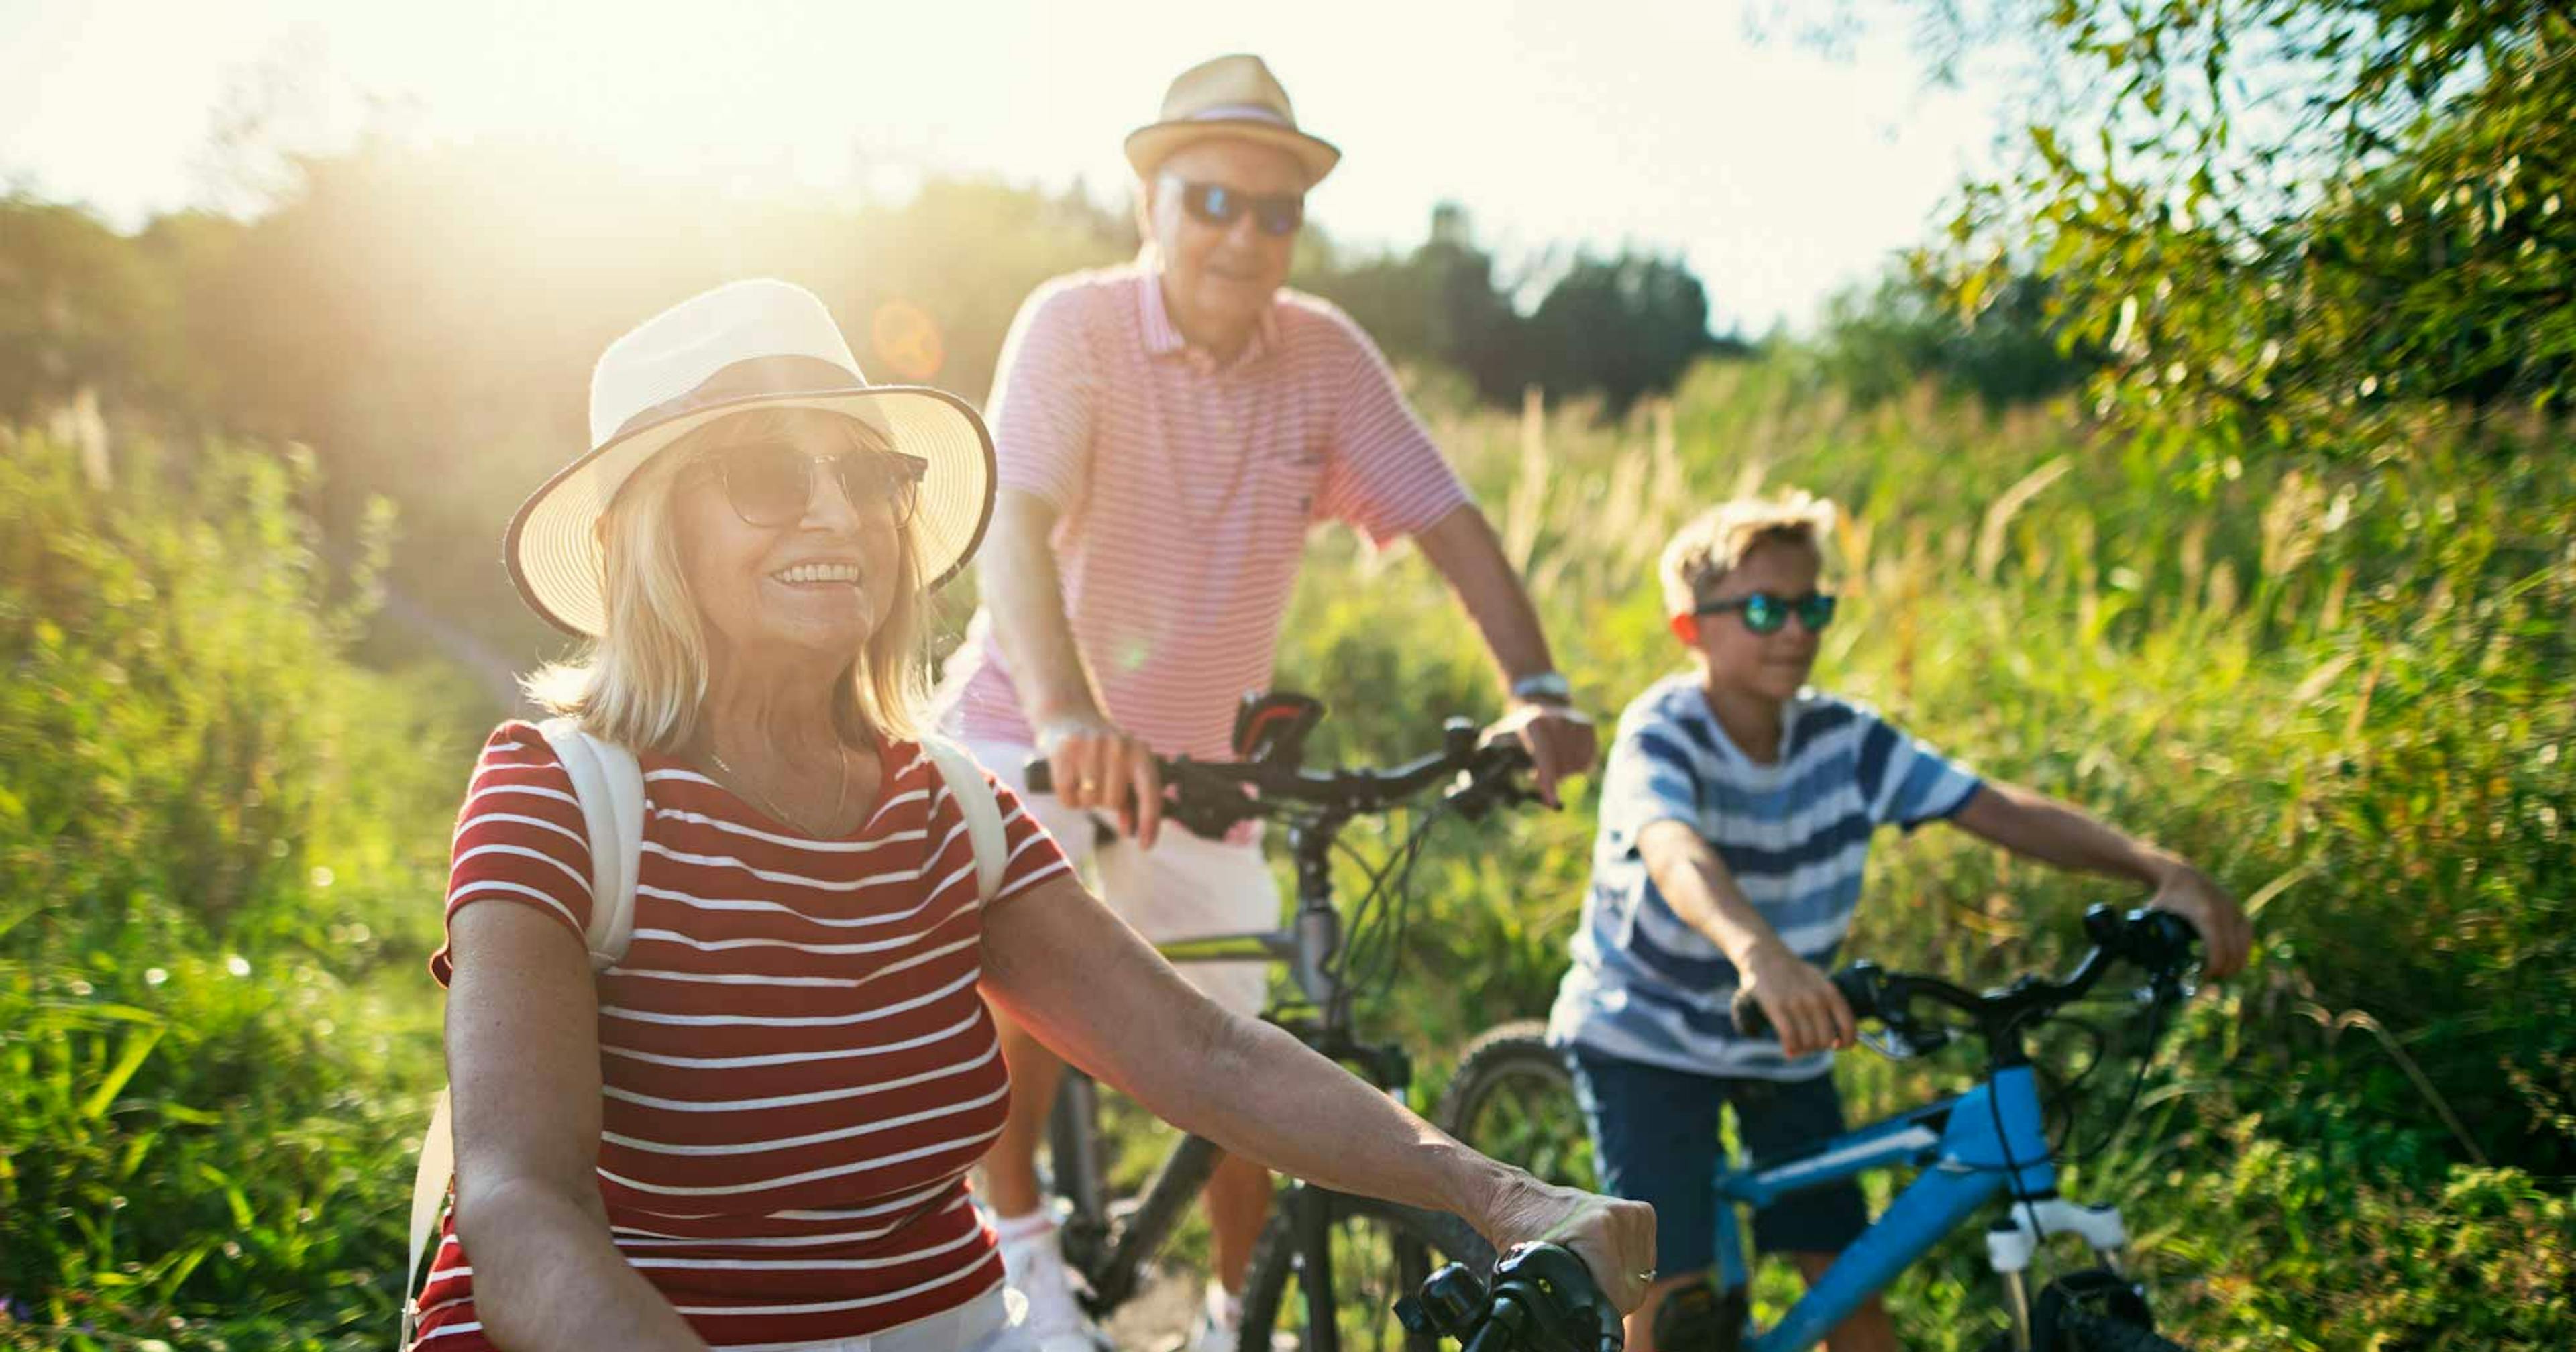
x=1858, y=983
x=1040, y=776
x=1748, y=1015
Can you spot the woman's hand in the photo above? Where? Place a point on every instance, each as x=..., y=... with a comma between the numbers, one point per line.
x=1614, y=1238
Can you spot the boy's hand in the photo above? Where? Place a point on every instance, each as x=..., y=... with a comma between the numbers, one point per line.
x=1803, y=1006
x=2225, y=934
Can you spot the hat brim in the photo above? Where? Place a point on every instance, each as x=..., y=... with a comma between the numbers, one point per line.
x=1148, y=147
x=553, y=547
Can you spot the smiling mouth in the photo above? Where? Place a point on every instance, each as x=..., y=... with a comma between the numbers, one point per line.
x=818, y=575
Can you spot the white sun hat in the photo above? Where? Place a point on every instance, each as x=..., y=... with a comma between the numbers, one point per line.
x=749, y=344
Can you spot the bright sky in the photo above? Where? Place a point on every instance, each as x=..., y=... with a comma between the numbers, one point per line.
x=1779, y=173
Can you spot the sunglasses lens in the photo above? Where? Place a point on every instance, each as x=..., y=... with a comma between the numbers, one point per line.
x=1212, y=203
x=1816, y=611
x=870, y=479
x=1282, y=215
x=1764, y=613
x=766, y=483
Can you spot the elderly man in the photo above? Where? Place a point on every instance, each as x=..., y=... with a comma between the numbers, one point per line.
x=1168, y=431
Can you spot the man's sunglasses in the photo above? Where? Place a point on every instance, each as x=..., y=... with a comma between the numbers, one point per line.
x=1217, y=205
x=771, y=483
x=1765, y=612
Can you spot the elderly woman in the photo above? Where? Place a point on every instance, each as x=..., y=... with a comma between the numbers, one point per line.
x=753, y=1130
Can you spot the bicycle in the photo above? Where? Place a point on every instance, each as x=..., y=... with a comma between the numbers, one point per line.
x=1329, y=1268
x=1514, y=1098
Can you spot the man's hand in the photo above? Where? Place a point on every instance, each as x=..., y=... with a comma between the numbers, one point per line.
x=2225, y=934
x=1098, y=767
x=1804, y=1007
x=1559, y=740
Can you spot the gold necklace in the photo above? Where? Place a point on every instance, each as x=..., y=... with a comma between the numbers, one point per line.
x=840, y=795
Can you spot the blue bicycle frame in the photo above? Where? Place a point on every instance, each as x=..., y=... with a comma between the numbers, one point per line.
x=1962, y=1146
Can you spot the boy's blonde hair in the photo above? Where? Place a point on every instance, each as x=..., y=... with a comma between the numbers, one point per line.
x=1714, y=543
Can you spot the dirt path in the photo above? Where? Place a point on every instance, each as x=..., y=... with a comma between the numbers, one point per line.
x=1161, y=1313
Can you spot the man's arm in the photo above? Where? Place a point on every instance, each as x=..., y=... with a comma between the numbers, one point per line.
x=1095, y=765
x=2039, y=827
x=1463, y=547
x=1806, y=1009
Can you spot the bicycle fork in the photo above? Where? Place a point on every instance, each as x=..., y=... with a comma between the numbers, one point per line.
x=2013, y=1241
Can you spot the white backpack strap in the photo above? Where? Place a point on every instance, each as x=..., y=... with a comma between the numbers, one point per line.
x=610, y=786
x=428, y=1189
x=974, y=794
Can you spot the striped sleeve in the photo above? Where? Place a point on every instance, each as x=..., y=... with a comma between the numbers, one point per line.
x=1044, y=393
x=1386, y=477
x=1904, y=781
x=519, y=837
x=1648, y=779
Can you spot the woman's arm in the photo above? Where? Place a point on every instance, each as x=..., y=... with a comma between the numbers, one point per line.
x=1058, y=962
x=523, y=1066
x=2039, y=827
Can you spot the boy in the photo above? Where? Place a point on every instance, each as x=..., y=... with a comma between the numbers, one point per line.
x=1736, y=811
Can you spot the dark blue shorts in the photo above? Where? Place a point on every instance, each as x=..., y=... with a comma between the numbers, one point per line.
x=1654, y=1134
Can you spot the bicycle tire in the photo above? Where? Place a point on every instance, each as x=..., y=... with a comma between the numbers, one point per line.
x=2084, y=1331
x=1513, y=1099
x=1396, y=1247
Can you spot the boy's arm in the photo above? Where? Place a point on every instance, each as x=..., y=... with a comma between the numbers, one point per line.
x=1809, y=1013
x=2039, y=827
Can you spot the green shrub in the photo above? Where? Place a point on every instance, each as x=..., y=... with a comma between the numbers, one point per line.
x=212, y=829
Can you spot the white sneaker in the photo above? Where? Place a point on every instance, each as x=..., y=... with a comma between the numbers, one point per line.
x=1220, y=1323
x=1033, y=1264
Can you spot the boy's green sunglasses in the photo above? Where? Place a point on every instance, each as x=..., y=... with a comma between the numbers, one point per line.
x=1765, y=612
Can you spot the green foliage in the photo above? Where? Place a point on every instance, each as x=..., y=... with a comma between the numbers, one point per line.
x=212, y=827
x=1616, y=327
x=1880, y=342
x=2301, y=225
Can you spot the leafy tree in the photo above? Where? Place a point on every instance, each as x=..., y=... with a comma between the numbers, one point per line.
x=2292, y=224
x=1880, y=341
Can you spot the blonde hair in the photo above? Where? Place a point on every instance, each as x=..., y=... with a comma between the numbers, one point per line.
x=641, y=682
x=1715, y=542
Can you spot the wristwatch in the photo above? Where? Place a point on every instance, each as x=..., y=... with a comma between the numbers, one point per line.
x=1544, y=687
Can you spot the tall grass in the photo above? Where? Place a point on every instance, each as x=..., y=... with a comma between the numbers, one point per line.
x=214, y=831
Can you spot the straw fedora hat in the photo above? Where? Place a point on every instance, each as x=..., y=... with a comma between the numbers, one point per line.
x=749, y=344
x=1230, y=96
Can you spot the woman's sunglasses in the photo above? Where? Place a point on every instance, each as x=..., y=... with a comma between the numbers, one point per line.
x=1215, y=204
x=771, y=483
x=1765, y=612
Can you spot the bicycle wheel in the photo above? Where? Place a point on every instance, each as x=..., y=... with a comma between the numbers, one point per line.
x=1377, y=1252
x=1513, y=1099
x=2083, y=1332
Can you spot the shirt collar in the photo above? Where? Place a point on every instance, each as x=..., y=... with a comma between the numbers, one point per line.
x=1163, y=337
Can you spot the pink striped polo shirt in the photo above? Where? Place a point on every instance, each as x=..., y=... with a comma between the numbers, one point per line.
x=1184, y=492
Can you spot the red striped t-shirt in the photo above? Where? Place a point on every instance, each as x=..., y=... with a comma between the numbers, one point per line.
x=1184, y=491
x=797, y=1065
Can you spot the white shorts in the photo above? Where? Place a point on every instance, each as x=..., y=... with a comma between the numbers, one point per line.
x=1186, y=887
x=996, y=1321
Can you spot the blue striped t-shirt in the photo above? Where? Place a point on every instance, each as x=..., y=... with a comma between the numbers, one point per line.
x=1794, y=834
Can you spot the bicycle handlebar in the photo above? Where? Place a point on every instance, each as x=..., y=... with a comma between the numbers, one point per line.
x=2158, y=942
x=1542, y=1299
x=1210, y=797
